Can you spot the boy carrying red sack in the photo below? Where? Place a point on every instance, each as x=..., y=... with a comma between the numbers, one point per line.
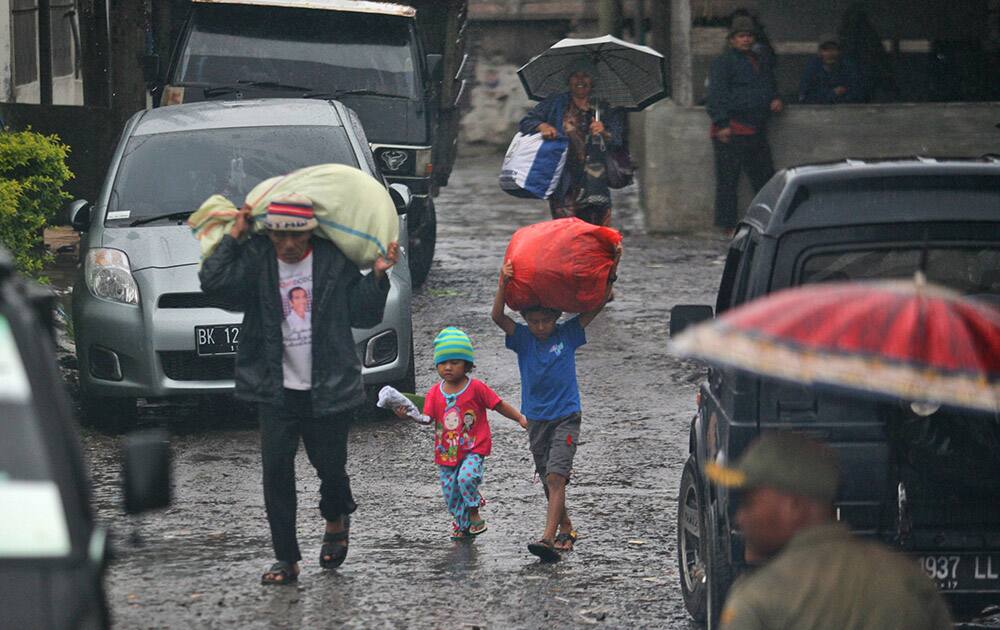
x=550, y=267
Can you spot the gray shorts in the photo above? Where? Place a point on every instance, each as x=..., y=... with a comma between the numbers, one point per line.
x=553, y=444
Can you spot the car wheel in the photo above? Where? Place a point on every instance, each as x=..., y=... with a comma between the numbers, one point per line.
x=690, y=561
x=422, y=241
x=112, y=415
x=705, y=575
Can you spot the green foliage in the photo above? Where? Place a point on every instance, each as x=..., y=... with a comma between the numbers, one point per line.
x=32, y=174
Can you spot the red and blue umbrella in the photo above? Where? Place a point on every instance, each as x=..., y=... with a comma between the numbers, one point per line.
x=902, y=339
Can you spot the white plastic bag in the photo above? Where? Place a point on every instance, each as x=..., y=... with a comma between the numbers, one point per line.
x=390, y=398
x=532, y=166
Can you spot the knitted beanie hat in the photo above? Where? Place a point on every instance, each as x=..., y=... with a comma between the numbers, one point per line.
x=452, y=343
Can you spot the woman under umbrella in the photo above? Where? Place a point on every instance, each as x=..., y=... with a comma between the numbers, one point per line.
x=571, y=114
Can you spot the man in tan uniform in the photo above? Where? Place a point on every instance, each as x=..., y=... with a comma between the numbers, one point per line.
x=811, y=572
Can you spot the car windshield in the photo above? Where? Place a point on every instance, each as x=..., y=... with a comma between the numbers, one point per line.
x=971, y=270
x=175, y=172
x=324, y=51
x=32, y=518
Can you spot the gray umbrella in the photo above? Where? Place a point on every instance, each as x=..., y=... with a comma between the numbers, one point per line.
x=625, y=75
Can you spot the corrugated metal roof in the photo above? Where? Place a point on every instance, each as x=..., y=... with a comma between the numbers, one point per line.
x=355, y=6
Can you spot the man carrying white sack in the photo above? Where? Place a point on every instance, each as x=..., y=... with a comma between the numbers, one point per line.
x=305, y=379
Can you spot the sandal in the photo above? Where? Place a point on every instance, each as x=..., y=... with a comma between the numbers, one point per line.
x=477, y=527
x=459, y=534
x=565, y=540
x=545, y=550
x=279, y=573
x=332, y=554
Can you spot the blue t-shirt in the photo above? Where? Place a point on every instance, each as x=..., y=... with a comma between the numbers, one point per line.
x=548, y=370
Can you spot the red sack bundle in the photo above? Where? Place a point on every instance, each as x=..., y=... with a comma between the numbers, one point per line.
x=561, y=264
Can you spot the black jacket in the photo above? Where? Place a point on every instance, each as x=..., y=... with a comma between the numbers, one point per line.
x=247, y=272
x=738, y=91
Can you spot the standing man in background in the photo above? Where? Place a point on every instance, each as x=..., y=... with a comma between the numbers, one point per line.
x=742, y=94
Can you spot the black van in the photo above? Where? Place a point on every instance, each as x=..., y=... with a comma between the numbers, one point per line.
x=399, y=68
x=923, y=479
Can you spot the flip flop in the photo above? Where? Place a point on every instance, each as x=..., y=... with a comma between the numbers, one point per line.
x=567, y=539
x=545, y=550
x=279, y=573
x=477, y=527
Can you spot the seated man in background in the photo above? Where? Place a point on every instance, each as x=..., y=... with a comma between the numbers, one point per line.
x=830, y=79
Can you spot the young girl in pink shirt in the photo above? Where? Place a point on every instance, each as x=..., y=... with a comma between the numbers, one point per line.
x=462, y=437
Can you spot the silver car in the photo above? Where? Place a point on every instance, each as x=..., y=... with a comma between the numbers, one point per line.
x=143, y=327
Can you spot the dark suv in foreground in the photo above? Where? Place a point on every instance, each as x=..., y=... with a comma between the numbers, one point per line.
x=53, y=553
x=924, y=480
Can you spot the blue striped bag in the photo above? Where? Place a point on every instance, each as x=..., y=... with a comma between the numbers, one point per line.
x=533, y=165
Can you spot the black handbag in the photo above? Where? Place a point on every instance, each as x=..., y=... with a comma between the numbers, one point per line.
x=595, y=191
x=620, y=168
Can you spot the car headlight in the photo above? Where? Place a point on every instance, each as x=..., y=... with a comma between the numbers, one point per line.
x=109, y=276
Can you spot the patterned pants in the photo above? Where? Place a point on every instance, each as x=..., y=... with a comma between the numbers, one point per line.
x=460, y=488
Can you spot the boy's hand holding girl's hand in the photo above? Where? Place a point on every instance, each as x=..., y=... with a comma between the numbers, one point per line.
x=523, y=421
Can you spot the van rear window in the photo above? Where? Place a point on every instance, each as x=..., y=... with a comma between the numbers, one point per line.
x=973, y=271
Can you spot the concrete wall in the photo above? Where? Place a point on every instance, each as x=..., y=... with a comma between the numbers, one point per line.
x=677, y=171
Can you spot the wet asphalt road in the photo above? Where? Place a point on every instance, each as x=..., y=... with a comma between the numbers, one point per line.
x=198, y=563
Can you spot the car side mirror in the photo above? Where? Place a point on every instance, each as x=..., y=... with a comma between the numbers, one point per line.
x=684, y=315
x=401, y=197
x=79, y=212
x=146, y=471
x=434, y=66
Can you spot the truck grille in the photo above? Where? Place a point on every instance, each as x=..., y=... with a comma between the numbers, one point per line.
x=185, y=365
x=198, y=300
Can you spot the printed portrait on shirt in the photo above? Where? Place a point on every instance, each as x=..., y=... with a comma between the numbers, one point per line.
x=296, y=303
